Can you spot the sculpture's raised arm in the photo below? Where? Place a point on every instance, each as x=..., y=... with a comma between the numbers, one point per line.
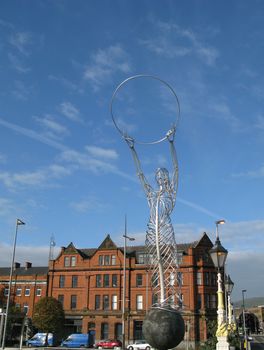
x=174, y=181
x=146, y=186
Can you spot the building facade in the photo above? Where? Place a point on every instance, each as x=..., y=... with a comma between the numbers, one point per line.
x=89, y=284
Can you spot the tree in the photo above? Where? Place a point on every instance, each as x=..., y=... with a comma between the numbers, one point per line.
x=48, y=316
x=211, y=341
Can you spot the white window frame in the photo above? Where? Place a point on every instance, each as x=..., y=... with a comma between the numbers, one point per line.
x=18, y=292
x=114, y=302
x=199, y=277
x=27, y=292
x=38, y=292
x=139, y=301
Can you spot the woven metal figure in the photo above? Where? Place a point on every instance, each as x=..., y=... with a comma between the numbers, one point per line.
x=161, y=249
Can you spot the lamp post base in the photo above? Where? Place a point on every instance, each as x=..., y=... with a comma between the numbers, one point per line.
x=222, y=343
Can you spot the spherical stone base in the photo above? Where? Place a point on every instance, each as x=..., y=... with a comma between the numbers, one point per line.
x=163, y=328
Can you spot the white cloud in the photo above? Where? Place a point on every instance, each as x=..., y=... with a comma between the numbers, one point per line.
x=33, y=135
x=17, y=64
x=67, y=83
x=21, y=41
x=246, y=269
x=102, y=152
x=6, y=206
x=2, y=158
x=88, y=205
x=173, y=41
x=254, y=174
x=70, y=111
x=54, y=128
x=38, y=256
x=222, y=111
x=38, y=178
x=260, y=122
x=105, y=63
x=21, y=91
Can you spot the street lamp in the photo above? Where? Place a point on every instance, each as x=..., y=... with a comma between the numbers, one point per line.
x=18, y=223
x=125, y=236
x=218, y=255
x=229, y=284
x=2, y=314
x=244, y=318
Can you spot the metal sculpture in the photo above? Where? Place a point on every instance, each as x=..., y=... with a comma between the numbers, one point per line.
x=160, y=241
x=163, y=326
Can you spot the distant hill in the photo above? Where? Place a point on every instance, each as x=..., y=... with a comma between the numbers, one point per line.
x=250, y=302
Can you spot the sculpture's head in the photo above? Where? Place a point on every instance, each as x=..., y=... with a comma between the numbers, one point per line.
x=162, y=177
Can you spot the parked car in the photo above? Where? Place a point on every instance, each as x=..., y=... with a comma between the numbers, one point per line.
x=108, y=344
x=139, y=345
x=39, y=340
x=77, y=340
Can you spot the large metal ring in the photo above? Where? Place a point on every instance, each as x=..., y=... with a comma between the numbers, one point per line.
x=144, y=76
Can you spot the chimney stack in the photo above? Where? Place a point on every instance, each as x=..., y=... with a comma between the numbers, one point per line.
x=28, y=265
x=16, y=265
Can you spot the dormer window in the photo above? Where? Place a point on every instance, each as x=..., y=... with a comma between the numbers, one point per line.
x=73, y=261
x=69, y=261
x=66, y=261
x=105, y=260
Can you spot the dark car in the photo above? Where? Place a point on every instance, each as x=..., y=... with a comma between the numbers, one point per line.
x=108, y=344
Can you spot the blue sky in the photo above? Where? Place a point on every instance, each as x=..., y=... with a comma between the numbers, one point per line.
x=64, y=168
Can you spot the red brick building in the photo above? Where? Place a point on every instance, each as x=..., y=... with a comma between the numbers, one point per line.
x=89, y=284
x=29, y=284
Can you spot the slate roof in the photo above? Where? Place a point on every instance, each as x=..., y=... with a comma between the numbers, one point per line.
x=22, y=271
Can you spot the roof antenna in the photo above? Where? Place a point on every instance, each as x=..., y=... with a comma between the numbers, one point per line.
x=51, y=247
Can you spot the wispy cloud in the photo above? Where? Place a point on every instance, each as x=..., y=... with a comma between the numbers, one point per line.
x=33, y=135
x=2, y=158
x=243, y=268
x=6, y=206
x=21, y=91
x=198, y=207
x=21, y=41
x=37, y=255
x=17, y=64
x=221, y=110
x=70, y=111
x=6, y=24
x=67, y=84
x=259, y=122
x=253, y=174
x=105, y=63
x=172, y=41
x=102, y=152
x=53, y=128
x=88, y=205
x=38, y=178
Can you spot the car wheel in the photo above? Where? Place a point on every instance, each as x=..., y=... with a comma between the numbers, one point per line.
x=131, y=348
x=29, y=345
x=100, y=347
x=147, y=348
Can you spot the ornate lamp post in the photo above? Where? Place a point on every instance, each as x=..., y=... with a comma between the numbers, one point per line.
x=219, y=254
x=244, y=320
x=229, y=284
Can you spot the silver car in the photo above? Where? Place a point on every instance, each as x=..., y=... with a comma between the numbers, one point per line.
x=139, y=345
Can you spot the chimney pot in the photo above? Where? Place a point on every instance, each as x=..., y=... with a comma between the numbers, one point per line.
x=28, y=265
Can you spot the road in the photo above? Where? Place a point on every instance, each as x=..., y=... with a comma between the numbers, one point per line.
x=257, y=343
